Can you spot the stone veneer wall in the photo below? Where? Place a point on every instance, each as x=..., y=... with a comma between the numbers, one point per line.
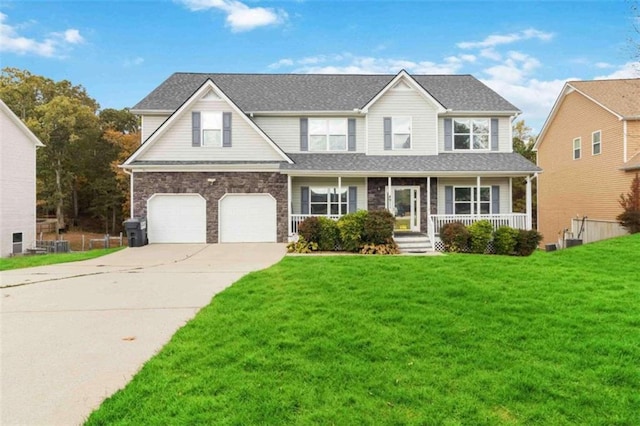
x=375, y=198
x=148, y=183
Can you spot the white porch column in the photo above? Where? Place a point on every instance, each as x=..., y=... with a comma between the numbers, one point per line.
x=478, y=196
x=529, y=224
x=510, y=195
x=339, y=196
x=289, y=206
x=388, y=195
x=428, y=198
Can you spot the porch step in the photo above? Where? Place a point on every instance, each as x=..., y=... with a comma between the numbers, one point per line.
x=413, y=243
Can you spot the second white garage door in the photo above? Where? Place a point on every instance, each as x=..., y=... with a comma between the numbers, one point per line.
x=177, y=218
x=248, y=218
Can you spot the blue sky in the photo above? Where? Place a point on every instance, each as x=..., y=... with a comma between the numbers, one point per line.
x=120, y=50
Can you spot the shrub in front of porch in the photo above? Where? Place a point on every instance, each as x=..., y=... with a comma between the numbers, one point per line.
x=527, y=242
x=309, y=229
x=378, y=227
x=351, y=228
x=329, y=234
x=480, y=234
x=505, y=239
x=455, y=237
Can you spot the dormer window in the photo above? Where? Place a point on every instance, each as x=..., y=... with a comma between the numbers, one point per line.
x=471, y=134
x=211, y=128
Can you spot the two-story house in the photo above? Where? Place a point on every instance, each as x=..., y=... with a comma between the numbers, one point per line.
x=18, y=147
x=589, y=148
x=246, y=157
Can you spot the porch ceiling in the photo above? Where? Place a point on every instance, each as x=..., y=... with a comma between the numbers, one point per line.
x=458, y=164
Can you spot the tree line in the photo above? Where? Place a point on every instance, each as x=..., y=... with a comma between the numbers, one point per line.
x=78, y=179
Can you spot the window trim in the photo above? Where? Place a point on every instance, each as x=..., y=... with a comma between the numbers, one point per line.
x=328, y=134
x=474, y=202
x=578, y=149
x=330, y=190
x=203, y=129
x=470, y=119
x=393, y=132
x=593, y=142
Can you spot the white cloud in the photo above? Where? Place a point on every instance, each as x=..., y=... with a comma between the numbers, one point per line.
x=603, y=65
x=138, y=60
x=499, y=39
x=240, y=17
x=49, y=46
x=628, y=70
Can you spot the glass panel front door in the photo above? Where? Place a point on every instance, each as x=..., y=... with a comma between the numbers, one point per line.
x=405, y=207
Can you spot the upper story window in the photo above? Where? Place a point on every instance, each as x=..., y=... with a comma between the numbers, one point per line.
x=401, y=129
x=471, y=134
x=596, y=143
x=211, y=128
x=397, y=133
x=577, y=144
x=327, y=134
x=465, y=200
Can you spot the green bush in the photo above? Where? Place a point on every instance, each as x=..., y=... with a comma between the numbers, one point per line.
x=527, y=242
x=351, y=228
x=378, y=227
x=480, y=233
x=329, y=234
x=455, y=237
x=301, y=246
x=505, y=239
x=310, y=229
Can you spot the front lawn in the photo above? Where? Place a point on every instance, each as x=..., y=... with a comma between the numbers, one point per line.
x=50, y=259
x=462, y=339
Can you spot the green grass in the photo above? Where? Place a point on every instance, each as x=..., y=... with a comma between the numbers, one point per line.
x=450, y=340
x=50, y=259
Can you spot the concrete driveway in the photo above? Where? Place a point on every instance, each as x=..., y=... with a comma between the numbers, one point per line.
x=72, y=334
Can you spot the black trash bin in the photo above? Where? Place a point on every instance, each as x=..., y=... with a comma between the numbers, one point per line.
x=136, y=229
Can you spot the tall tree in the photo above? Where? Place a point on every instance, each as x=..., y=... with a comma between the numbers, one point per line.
x=523, y=142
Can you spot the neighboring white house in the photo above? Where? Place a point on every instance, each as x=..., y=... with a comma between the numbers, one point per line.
x=17, y=184
x=247, y=157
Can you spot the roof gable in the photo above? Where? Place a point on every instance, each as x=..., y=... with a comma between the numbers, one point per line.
x=20, y=124
x=206, y=91
x=403, y=81
x=618, y=97
x=321, y=92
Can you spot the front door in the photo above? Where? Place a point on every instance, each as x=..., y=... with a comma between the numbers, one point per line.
x=405, y=206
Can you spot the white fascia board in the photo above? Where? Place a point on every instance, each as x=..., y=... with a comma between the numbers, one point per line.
x=230, y=168
x=348, y=173
x=350, y=113
x=414, y=84
x=152, y=111
x=451, y=113
x=20, y=124
x=204, y=88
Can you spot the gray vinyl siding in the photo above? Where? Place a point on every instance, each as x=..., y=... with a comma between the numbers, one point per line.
x=505, y=143
x=298, y=182
x=150, y=123
x=285, y=131
x=503, y=183
x=175, y=144
x=424, y=124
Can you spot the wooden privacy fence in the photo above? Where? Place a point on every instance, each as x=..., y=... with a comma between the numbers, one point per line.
x=596, y=230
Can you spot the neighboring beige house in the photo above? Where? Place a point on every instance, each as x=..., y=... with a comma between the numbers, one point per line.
x=589, y=149
x=17, y=184
x=247, y=157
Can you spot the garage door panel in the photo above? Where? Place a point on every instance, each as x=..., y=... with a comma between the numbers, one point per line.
x=248, y=218
x=177, y=218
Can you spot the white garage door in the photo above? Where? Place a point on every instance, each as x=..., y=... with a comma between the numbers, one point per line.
x=177, y=218
x=248, y=218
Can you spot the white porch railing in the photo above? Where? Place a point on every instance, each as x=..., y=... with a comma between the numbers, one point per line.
x=297, y=218
x=514, y=220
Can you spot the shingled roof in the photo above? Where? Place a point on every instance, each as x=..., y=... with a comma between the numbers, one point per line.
x=620, y=96
x=320, y=92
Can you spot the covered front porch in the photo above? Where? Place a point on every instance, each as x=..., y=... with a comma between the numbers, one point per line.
x=419, y=204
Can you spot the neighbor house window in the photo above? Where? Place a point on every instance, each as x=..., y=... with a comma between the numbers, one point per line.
x=465, y=200
x=327, y=134
x=324, y=201
x=596, y=143
x=471, y=134
x=211, y=128
x=576, y=148
x=401, y=132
